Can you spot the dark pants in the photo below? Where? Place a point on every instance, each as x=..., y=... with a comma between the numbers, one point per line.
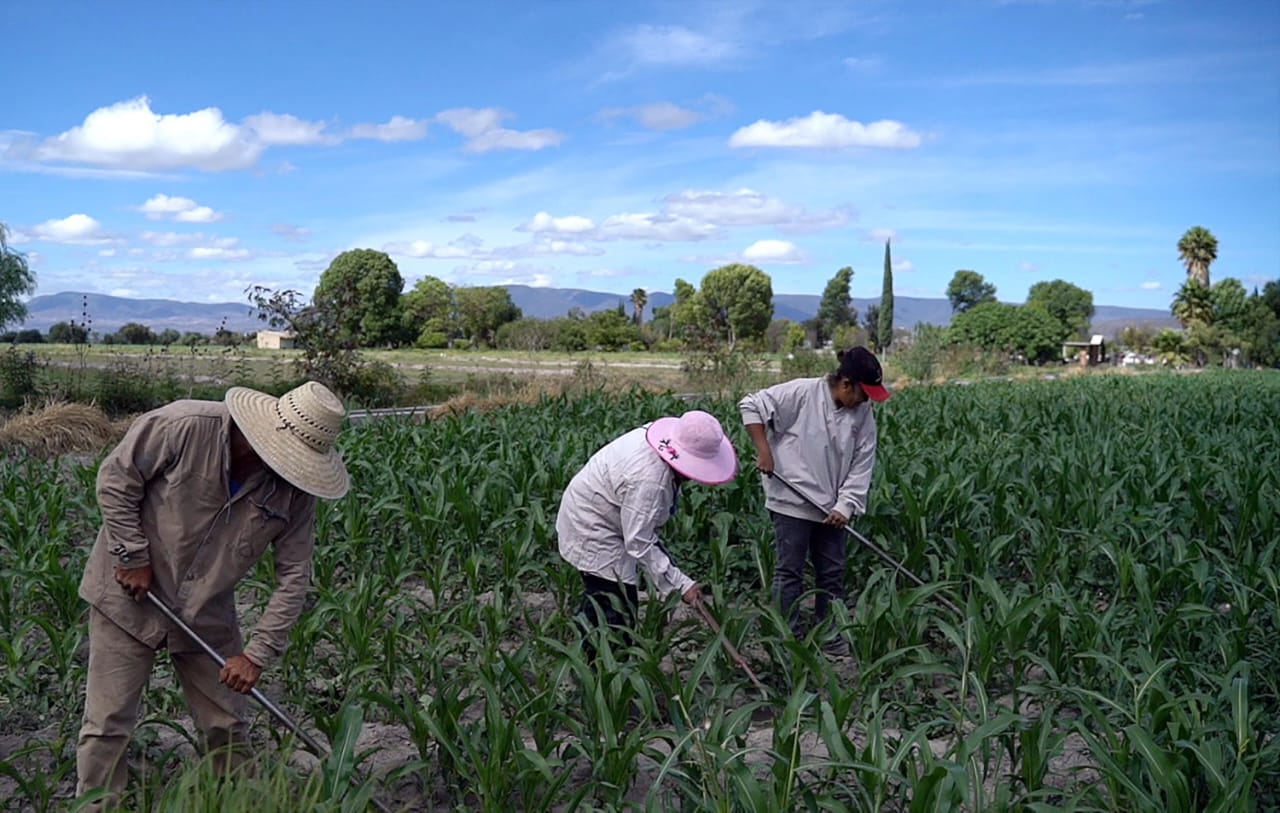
x=617, y=605
x=796, y=541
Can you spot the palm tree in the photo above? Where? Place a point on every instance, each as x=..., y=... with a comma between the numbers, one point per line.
x=1198, y=248
x=1193, y=303
x=638, y=300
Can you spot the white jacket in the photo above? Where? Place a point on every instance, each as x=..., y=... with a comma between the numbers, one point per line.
x=827, y=452
x=610, y=514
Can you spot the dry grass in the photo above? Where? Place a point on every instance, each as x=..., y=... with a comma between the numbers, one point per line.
x=60, y=428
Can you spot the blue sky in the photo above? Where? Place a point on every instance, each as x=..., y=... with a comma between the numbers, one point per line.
x=188, y=150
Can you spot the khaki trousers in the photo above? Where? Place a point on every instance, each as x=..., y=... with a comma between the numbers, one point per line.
x=119, y=668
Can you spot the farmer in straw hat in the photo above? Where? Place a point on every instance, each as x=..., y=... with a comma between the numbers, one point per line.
x=820, y=434
x=191, y=499
x=611, y=512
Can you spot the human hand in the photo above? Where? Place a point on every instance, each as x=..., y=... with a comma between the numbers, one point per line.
x=764, y=460
x=837, y=519
x=136, y=581
x=240, y=674
x=693, y=596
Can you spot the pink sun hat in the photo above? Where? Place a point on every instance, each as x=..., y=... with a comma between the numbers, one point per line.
x=695, y=445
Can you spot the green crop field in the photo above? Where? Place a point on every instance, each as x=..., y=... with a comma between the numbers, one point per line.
x=1112, y=542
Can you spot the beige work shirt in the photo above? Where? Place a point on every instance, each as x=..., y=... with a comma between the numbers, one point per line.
x=611, y=511
x=164, y=493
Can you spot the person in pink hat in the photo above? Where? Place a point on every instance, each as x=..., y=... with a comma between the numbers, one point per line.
x=611, y=511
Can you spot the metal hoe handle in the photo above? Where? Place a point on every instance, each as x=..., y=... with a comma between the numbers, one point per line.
x=277, y=712
x=876, y=549
x=729, y=647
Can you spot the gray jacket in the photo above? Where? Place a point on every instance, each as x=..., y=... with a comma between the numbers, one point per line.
x=828, y=452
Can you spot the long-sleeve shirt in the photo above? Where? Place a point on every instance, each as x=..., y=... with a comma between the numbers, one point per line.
x=827, y=452
x=611, y=512
x=164, y=494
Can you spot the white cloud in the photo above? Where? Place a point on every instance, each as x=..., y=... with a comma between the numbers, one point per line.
x=660, y=227
x=746, y=207
x=283, y=129
x=184, y=210
x=571, y=224
x=903, y=266
x=129, y=136
x=674, y=45
x=1030, y=268
x=657, y=116
x=484, y=131
x=825, y=130
x=472, y=248
x=124, y=292
x=107, y=252
x=292, y=233
x=879, y=235
x=76, y=230
x=1151, y=285
x=399, y=128
x=218, y=253
x=773, y=251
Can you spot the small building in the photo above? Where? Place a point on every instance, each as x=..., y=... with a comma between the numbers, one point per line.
x=1089, y=353
x=277, y=339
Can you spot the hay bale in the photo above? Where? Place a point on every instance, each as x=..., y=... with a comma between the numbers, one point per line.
x=59, y=428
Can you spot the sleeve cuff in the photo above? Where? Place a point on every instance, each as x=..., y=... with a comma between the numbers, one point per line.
x=848, y=508
x=259, y=654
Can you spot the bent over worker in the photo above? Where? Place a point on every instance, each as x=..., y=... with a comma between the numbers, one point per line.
x=611, y=511
x=191, y=499
x=820, y=435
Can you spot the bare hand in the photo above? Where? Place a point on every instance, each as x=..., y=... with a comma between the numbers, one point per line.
x=240, y=674
x=135, y=581
x=837, y=519
x=693, y=596
x=764, y=461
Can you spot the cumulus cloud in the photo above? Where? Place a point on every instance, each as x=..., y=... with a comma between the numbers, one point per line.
x=825, y=130
x=903, y=266
x=879, y=235
x=76, y=230
x=183, y=210
x=509, y=272
x=1029, y=268
x=485, y=133
x=544, y=222
x=399, y=128
x=660, y=227
x=657, y=116
x=1151, y=285
x=774, y=252
x=130, y=136
x=473, y=248
x=283, y=129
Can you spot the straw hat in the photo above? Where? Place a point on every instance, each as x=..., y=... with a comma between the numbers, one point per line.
x=294, y=435
x=695, y=445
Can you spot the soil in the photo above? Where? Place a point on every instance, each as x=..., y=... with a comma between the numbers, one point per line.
x=392, y=749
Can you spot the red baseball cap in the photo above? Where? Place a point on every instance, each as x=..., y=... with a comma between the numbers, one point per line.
x=860, y=365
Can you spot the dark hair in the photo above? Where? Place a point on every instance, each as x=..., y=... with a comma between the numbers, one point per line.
x=838, y=374
x=858, y=365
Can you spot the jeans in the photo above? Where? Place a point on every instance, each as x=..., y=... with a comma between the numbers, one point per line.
x=797, y=540
x=617, y=605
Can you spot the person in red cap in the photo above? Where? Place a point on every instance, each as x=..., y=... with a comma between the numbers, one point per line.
x=819, y=434
x=607, y=525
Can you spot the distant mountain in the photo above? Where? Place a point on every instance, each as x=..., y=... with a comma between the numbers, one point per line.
x=109, y=313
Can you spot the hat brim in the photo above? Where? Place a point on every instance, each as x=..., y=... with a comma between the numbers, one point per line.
x=875, y=392
x=323, y=475
x=712, y=471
